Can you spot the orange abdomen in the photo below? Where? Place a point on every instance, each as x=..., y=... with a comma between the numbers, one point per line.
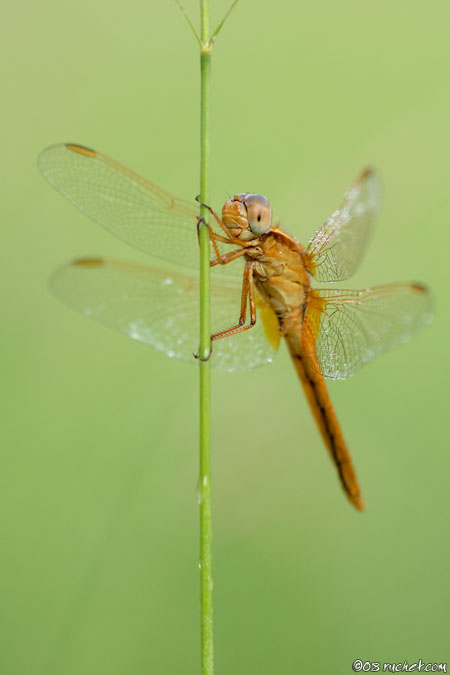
x=317, y=394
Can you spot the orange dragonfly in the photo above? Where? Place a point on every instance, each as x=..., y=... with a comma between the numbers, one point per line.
x=262, y=283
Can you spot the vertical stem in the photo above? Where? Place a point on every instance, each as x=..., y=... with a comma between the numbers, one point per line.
x=206, y=582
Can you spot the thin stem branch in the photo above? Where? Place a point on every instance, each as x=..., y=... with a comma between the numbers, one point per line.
x=206, y=578
x=188, y=19
x=219, y=27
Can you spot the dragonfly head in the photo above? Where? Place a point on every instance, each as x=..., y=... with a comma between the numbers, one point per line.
x=247, y=216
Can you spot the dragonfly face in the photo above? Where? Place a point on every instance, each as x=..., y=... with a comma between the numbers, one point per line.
x=247, y=216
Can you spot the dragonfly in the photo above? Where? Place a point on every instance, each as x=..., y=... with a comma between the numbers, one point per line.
x=262, y=282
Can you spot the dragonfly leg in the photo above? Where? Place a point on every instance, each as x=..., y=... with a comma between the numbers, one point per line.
x=216, y=217
x=212, y=235
x=248, y=292
x=227, y=257
x=248, y=295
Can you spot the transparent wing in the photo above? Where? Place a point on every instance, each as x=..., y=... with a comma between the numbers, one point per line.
x=161, y=309
x=344, y=330
x=138, y=212
x=337, y=248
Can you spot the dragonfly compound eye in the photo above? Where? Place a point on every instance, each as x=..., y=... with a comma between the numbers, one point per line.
x=259, y=213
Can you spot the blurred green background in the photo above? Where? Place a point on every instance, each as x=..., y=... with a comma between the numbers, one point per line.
x=99, y=556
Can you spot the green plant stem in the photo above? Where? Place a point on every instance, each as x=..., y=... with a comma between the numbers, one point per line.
x=206, y=579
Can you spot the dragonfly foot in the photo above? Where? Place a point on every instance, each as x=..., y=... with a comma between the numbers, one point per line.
x=202, y=221
x=204, y=358
x=206, y=206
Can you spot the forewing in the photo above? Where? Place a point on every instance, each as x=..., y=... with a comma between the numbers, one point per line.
x=343, y=330
x=138, y=212
x=161, y=309
x=337, y=248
